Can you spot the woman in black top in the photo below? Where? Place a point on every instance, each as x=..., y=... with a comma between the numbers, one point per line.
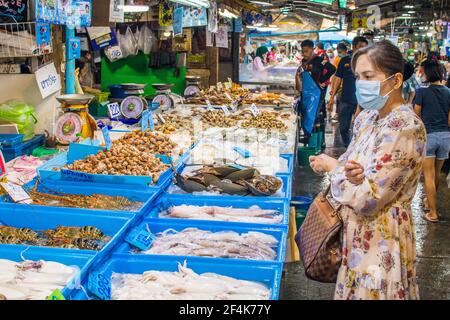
x=432, y=104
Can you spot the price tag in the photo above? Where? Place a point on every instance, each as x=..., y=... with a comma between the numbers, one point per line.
x=99, y=285
x=210, y=108
x=56, y=295
x=243, y=152
x=145, y=120
x=228, y=85
x=219, y=86
x=225, y=110
x=254, y=109
x=107, y=138
x=141, y=239
x=161, y=118
x=17, y=193
x=114, y=110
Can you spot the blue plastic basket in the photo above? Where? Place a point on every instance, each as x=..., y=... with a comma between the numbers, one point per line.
x=9, y=140
x=140, y=194
x=168, y=200
x=76, y=258
x=157, y=225
x=24, y=148
x=267, y=273
x=49, y=218
x=290, y=159
x=301, y=203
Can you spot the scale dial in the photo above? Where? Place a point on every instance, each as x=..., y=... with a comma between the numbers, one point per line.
x=191, y=90
x=132, y=107
x=165, y=101
x=68, y=127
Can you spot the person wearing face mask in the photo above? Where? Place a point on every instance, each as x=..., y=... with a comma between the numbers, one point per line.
x=348, y=103
x=258, y=64
x=432, y=104
x=375, y=181
x=333, y=102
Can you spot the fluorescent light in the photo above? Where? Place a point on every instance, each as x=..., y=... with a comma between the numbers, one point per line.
x=411, y=11
x=408, y=6
x=263, y=29
x=262, y=3
x=227, y=14
x=193, y=3
x=134, y=8
x=429, y=34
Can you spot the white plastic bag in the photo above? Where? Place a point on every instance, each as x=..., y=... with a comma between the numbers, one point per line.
x=128, y=43
x=113, y=53
x=146, y=39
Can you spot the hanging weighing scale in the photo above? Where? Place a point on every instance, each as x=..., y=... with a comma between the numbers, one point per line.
x=134, y=104
x=76, y=122
x=192, y=86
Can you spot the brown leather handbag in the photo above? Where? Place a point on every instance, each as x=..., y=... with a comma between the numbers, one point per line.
x=319, y=240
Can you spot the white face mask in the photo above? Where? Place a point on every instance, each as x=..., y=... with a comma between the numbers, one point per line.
x=368, y=94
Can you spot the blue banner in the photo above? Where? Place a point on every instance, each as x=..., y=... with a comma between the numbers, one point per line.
x=178, y=21
x=75, y=13
x=238, y=25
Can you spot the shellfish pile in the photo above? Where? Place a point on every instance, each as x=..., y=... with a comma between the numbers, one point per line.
x=230, y=180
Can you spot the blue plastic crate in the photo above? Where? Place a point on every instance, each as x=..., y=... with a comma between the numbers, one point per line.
x=81, y=259
x=157, y=225
x=49, y=218
x=290, y=159
x=24, y=148
x=140, y=194
x=301, y=203
x=267, y=273
x=168, y=200
x=9, y=140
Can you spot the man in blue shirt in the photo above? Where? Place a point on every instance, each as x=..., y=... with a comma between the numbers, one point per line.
x=344, y=76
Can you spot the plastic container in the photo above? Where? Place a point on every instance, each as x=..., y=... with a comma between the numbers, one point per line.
x=39, y=219
x=21, y=149
x=168, y=200
x=290, y=158
x=303, y=155
x=157, y=225
x=315, y=141
x=267, y=273
x=80, y=259
x=9, y=140
x=142, y=194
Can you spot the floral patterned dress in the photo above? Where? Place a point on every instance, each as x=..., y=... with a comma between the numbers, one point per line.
x=379, y=246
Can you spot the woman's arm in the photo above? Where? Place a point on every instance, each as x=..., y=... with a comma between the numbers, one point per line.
x=397, y=160
x=418, y=109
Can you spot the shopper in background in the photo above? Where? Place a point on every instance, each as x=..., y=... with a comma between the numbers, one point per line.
x=259, y=63
x=410, y=84
x=370, y=36
x=320, y=51
x=348, y=103
x=272, y=55
x=432, y=104
x=375, y=182
x=321, y=71
x=333, y=105
x=331, y=56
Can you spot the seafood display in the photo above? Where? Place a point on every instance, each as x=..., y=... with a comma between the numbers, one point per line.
x=230, y=180
x=173, y=123
x=86, y=238
x=185, y=284
x=219, y=96
x=253, y=214
x=217, y=118
x=131, y=155
x=266, y=98
x=226, y=244
x=32, y=280
x=265, y=120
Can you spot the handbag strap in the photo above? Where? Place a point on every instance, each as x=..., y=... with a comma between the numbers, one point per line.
x=327, y=193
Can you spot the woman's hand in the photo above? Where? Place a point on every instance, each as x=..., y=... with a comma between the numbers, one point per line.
x=322, y=163
x=354, y=172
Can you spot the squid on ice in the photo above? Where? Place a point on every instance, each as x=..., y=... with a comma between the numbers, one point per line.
x=224, y=244
x=184, y=284
x=253, y=214
x=32, y=280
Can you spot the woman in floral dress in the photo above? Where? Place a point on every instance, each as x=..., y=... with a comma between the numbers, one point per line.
x=375, y=181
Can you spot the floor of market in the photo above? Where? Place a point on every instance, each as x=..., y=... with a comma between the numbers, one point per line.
x=433, y=250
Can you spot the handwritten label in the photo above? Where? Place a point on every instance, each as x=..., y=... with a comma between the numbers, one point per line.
x=48, y=80
x=225, y=110
x=254, y=109
x=107, y=138
x=17, y=193
x=152, y=121
x=99, y=285
x=114, y=110
x=145, y=120
x=70, y=175
x=161, y=118
x=56, y=295
x=140, y=238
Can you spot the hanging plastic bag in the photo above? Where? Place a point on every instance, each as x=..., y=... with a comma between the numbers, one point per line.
x=113, y=53
x=146, y=39
x=128, y=43
x=20, y=113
